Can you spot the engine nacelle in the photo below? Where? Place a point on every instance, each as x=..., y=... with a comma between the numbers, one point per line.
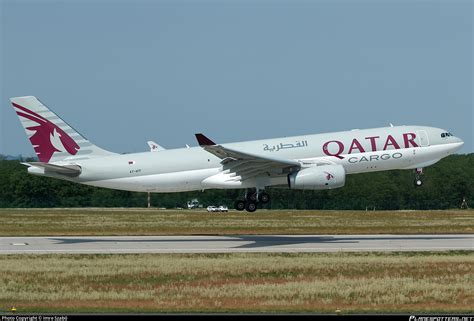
x=318, y=177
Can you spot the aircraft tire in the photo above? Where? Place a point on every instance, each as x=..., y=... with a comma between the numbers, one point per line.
x=250, y=206
x=240, y=205
x=263, y=198
x=252, y=197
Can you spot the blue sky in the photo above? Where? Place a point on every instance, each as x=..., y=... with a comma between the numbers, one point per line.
x=124, y=72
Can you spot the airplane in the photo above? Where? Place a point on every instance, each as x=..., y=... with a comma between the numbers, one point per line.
x=154, y=147
x=306, y=162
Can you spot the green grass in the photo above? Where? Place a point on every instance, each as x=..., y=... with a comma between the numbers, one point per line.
x=54, y=222
x=250, y=282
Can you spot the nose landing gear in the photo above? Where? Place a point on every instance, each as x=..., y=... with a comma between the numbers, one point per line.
x=252, y=198
x=418, y=180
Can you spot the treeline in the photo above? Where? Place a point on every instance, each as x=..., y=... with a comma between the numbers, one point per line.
x=445, y=185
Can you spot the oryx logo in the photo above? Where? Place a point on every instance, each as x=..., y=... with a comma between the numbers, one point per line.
x=329, y=176
x=48, y=138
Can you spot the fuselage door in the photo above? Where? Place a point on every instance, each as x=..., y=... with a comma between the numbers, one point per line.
x=423, y=139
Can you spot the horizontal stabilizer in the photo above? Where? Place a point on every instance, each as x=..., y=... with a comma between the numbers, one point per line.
x=70, y=170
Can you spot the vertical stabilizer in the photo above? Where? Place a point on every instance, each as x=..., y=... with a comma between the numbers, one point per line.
x=52, y=138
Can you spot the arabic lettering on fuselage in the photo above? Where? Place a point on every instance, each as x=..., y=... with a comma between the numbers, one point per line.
x=338, y=148
x=276, y=148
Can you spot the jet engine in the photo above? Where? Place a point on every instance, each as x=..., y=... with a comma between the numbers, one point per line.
x=318, y=177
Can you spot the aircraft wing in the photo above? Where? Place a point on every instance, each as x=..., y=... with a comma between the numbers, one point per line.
x=247, y=165
x=70, y=170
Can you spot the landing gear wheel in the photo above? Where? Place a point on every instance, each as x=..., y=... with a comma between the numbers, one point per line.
x=240, y=205
x=418, y=174
x=263, y=198
x=252, y=197
x=418, y=182
x=250, y=206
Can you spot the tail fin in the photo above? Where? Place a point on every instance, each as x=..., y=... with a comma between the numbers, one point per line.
x=52, y=139
x=154, y=147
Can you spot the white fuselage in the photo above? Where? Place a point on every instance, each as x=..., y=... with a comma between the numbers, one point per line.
x=187, y=169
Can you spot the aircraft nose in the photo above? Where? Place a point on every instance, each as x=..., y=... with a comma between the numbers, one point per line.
x=458, y=143
x=459, y=140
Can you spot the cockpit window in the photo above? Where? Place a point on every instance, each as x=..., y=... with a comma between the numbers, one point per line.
x=443, y=135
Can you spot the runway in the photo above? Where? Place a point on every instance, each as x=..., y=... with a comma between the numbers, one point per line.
x=238, y=243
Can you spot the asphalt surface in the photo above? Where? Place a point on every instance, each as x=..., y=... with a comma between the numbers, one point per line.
x=238, y=243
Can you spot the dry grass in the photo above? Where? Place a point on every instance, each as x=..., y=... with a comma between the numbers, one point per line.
x=53, y=222
x=257, y=282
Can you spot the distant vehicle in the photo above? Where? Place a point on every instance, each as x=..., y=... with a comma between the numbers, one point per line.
x=193, y=204
x=221, y=208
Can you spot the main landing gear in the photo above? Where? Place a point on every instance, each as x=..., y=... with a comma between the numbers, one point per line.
x=418, y=180
x=252, y=198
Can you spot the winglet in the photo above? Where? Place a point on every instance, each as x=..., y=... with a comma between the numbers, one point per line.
x=203, y=140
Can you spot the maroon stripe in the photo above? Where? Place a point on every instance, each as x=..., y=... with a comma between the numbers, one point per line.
x=26, y=110
x=36, y=120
